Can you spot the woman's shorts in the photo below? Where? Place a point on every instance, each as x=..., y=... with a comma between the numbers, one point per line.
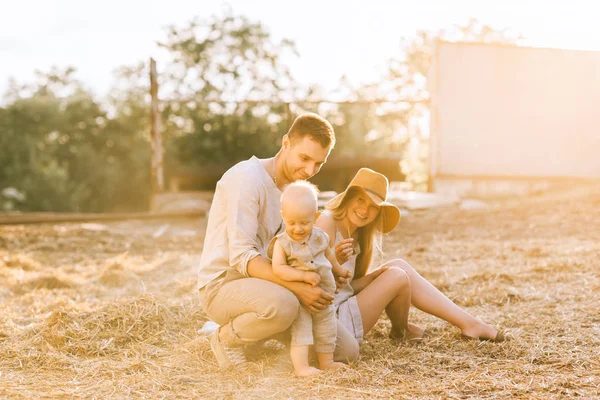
x=348, y=315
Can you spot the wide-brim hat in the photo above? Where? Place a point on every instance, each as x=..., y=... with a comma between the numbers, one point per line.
x=376, y=186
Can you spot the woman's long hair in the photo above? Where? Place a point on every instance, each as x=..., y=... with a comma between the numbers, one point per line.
x=369, y=236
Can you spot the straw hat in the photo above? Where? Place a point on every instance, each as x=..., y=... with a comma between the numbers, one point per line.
x=376, y=186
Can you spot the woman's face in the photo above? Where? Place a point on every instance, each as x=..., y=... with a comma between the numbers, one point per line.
x=361, y=210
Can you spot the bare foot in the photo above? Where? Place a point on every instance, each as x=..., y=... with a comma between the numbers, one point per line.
x=415, y=332
x=307, y=371
x=333, y=365
x=412, y=332
x=481, y=331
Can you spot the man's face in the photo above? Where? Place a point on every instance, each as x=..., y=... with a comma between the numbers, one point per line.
x=303, y=159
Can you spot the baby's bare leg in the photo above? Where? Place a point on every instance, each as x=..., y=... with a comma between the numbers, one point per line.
x=299, y=355
x=325, y=332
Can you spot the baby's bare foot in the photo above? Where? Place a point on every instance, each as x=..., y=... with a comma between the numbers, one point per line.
x=307, y=371
x=333, y=365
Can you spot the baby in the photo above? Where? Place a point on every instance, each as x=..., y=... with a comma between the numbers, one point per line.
x=302, y=253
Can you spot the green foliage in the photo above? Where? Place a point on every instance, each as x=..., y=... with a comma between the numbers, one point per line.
x=66, y=151
x=62, y=151
x=215, y=63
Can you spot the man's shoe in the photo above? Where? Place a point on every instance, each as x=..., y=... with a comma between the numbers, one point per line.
x=227, y=357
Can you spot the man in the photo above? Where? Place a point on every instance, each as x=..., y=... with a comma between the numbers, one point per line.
x=238, y=287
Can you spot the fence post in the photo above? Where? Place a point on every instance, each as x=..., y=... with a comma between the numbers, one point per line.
x=158, y=184
x=289, y=116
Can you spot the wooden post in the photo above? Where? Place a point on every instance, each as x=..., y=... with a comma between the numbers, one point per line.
x=158, y=184
x=288, y=116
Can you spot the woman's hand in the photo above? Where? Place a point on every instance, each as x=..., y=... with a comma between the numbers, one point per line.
x=344, y=249
x=313, y=298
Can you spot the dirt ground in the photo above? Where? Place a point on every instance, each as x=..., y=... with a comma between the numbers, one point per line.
x=109, y=310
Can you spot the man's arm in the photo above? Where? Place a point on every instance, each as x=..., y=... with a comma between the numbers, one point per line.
x=242, y=208
x=313, y=298
x=242, y=204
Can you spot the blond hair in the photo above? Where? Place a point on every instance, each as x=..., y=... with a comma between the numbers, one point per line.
x=369, y=236
x=300, y=191
x=309, y=187
x=318, y=128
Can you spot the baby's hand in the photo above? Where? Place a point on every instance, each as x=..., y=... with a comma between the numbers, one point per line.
x=342, y=279
x=312, y=277
x=346, y=273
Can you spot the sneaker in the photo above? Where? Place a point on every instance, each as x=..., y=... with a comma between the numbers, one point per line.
x=227, y=357
x=208, y=328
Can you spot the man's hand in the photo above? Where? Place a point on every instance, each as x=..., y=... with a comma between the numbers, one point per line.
x=313, y=298
x=344, y=249
x=312, y=278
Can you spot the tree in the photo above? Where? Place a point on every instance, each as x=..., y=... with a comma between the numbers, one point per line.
x=214, y=64
x=68, y=152
x=39, y=129
x=63, y=151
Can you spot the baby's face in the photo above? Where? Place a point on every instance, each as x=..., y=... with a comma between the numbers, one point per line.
x=299, y=221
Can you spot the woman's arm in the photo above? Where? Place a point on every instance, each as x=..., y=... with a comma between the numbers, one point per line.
x=327, y=224
x=361, y=283
x=341, y=274
x=343, y=249
x=336, y=268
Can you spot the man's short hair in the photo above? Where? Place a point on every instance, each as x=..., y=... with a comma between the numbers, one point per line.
x=318, y=128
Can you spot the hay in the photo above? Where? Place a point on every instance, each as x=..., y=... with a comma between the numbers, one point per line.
x=99, y=314
x=115, y=275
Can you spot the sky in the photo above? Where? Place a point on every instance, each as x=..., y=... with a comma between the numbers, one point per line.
x=334, y=37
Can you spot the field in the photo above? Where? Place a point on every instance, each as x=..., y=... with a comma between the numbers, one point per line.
x=109, y=310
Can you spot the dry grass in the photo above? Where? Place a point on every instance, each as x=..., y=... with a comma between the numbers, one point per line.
x=109, y=311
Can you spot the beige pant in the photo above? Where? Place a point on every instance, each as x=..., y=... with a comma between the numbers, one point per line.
x=318, y=329
x=252, y=309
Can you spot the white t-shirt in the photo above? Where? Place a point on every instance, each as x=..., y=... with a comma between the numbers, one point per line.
x=243, y=218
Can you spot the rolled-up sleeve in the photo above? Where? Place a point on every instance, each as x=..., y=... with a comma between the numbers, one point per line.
x=243, y=204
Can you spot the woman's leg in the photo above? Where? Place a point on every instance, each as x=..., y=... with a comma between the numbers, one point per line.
x=346, y=346
x=390, y=291
x=428, y=298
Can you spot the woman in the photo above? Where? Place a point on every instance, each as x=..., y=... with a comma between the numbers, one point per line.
x=354, y=221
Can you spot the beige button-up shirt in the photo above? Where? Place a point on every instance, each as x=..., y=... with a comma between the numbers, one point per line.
x=243, y=218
